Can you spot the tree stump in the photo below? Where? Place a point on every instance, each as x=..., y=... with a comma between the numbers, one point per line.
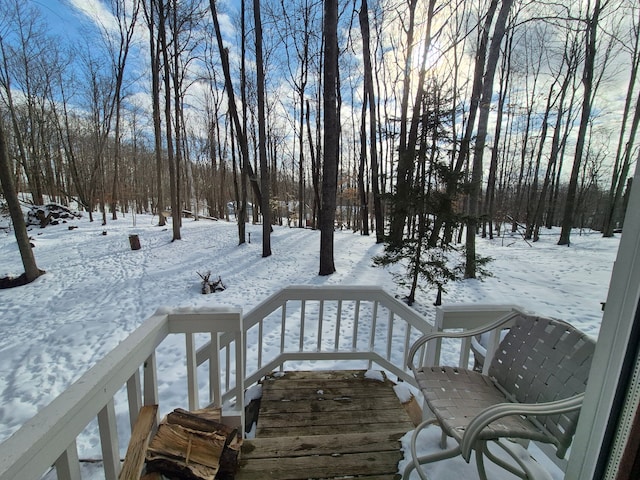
x=134, y=241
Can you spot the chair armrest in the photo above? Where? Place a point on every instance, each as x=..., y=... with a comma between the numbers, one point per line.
x=500, y=410
x=467, y=333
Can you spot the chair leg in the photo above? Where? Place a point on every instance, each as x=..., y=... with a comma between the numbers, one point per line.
x=479, y=451
x=443, y=440
x=524, y=472
x=416, y=461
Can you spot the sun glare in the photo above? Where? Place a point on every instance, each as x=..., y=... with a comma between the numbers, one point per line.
x=432, y=59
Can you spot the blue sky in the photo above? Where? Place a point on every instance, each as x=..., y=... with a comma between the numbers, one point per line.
x=63, y=18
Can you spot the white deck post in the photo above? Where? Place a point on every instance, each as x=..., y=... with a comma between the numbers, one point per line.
x=192, y=372
x=150, y=381
x=134, y=396
x=109, y=441
x=68, y=464
x=215, y=391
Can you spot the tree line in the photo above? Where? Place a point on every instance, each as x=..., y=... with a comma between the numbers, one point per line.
x=424, y=123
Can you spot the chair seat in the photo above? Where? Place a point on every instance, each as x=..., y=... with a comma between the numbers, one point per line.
x=456, y=396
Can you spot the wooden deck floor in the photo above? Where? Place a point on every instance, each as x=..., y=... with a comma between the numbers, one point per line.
x=326, y=425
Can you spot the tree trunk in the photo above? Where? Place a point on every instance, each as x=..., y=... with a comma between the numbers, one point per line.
x=154, y=49
x=621, y=160
x=175, y=205
x=587, y=82
x=373, y=125
x=495, y=152
x=483, y=121
x=331, y=138
x=31, y=270
x=240, y=132
x=532, y=202
x=363, y=193
x=262, y=136
x=315, y=170
x=463, y=151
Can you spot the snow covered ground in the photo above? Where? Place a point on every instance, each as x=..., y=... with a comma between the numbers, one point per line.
x=97, y=290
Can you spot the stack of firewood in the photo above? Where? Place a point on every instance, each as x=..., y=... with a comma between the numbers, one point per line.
x=194, y=446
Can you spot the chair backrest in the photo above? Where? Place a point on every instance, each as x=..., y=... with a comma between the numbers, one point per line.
x=543, y=360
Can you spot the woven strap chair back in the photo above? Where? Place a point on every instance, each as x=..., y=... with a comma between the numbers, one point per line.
x=543, y=360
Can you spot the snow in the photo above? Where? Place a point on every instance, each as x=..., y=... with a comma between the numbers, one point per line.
x=97, y=291
x=403, y=392
x=429, y=441
x=254, y=392
x=376, y=375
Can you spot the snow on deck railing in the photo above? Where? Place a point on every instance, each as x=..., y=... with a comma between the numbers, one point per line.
x=337, y=325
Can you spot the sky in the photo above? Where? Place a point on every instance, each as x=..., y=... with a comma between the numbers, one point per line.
x=76, y=21
x=97, y=291
x=70, y=19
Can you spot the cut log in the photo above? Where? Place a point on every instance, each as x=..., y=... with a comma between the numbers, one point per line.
x=168, y=467
x=187, y=453
x=134, y=242
x=230, y=460
x=189, y=446
x=195, y=445
x=206, y=420
x=151, y=476
x=135, y=457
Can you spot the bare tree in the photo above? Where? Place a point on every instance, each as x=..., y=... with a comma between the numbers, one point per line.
x=591, y=30
x=463, y=150
x=363, y=16
x=238, y=128
x=173, y=183
x=262, y=136
x=331, y=138
x=118, y=46
x=19, y=227
x=400, y=206
x=151, y=14
x=481, y=135
x=625, y=146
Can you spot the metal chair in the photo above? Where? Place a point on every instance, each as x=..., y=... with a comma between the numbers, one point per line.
x=533, y=391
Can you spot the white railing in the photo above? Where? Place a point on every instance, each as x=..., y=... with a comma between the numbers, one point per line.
x=362, y=325
x=339, y=326
x=49, y=438
x=461, y=317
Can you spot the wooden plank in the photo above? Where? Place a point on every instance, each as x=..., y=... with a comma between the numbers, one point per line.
x=343, y=403
x=356, y=382
x=325, y=391
x=297, y=468
x=337, y=418
x=136, y=452
x=285, y=431
x=327, y=424
x=308, y=445
x=299, y=375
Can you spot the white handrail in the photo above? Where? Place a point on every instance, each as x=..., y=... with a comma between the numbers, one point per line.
x=49, y=437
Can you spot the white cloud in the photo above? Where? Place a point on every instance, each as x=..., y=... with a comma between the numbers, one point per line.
x=95, y=11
